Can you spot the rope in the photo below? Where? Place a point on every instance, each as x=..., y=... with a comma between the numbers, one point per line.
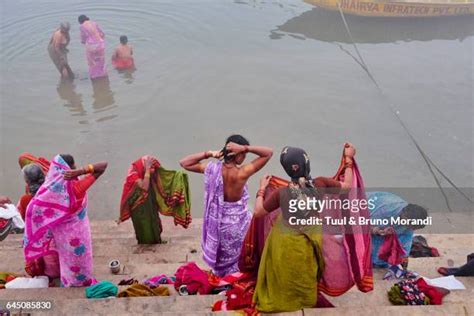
x=429, y=163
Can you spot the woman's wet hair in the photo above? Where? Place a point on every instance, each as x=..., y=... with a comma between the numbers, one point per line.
x=34, y=177
x=414, y=211
x=236, y=138
x=69, y=159
x=123, y=39
x=65, y=26
x=82, y=18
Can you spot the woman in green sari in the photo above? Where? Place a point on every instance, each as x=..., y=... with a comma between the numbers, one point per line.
x=149, y=190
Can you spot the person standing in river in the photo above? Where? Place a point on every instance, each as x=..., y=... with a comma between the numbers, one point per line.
x=93, y=37
x=58, y=52
x=226, y=214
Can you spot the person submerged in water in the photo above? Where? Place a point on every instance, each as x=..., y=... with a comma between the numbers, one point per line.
x=58, y=52
x=123, y=55
x=226, y=214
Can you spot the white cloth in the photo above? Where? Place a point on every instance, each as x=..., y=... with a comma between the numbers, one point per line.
x=28, y=283
x=12, y=212
x=448, y=282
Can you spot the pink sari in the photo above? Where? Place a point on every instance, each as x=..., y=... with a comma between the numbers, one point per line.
x=93, y=37
x=348, y=256
x=56, y=221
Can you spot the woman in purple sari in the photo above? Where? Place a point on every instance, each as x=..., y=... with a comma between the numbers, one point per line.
x=226, y=214
x=93, y=37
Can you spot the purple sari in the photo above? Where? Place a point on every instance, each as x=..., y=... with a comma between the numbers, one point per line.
x=225, y=223
x=93, y=37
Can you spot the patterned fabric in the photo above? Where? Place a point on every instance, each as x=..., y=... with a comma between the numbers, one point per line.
x=388, y=205
x=167, y=194
x=57, y=222
x=92, y=37
x=411, y=293
x=225, y=223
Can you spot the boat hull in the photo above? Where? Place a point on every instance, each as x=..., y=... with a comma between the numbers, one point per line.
x=395, y=9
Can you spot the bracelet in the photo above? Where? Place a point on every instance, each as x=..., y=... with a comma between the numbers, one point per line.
x=348, y=165
x=206, y=154
x=91, y=168
x=261, y=193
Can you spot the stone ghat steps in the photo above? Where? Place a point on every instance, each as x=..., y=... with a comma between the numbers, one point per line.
x=201, y=305
x=353, y=297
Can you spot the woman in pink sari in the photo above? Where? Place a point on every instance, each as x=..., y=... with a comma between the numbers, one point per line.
x=93, y=37
x=57, y=221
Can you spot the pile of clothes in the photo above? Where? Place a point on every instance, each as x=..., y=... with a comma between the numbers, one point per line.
x=411, y=292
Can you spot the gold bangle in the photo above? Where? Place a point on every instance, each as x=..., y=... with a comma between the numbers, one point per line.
x=147, y=175
x=91, y=168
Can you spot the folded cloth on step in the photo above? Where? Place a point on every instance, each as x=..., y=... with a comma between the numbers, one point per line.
x=128, y=281
x=391, y=250
x=137, y=290
x=11, y=212
x=28, y=283
x=159, y=279
x=195, y=279
x=102, y=290
x=397, y=272
x=435, y=294
x=6, y=277
x=409, y=292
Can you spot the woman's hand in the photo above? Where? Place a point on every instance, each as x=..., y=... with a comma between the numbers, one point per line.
x=4, y=200
x=214, y=154
x=148, y=163
x=349, y=150
x=73, y=173
x=383, y=231
x=235, y=148
x=264, y=181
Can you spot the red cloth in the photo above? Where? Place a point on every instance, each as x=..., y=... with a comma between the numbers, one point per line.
x=135, y=172
x=23, y=204
x=195, y=279
x=27, y=158
x=391, y=250
x=122, y=64
x=435, y=295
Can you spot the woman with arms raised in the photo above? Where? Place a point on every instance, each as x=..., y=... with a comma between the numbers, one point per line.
x=226, y=214
x=57, y=220
x=292, y=260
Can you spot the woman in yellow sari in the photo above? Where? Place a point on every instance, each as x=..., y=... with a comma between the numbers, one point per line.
x=292, y=261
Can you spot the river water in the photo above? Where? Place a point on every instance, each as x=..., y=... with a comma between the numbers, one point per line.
x=279, y=72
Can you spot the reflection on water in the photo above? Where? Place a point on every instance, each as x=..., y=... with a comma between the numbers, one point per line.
x=67, y=91
x=102, y=94
x=327, y=26
x=127, y=74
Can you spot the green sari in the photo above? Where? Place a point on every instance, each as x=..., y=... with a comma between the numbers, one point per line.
x=168, y=194
x=147, y=222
